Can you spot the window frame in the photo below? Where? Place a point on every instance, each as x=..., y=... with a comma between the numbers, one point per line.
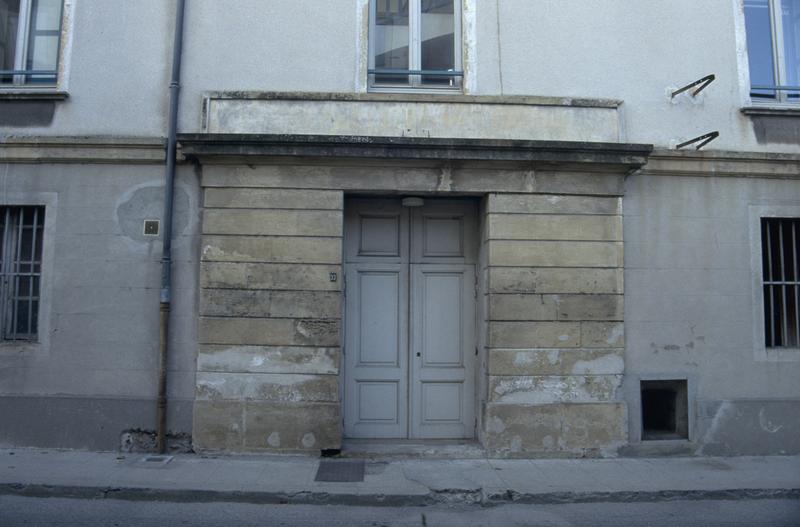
x=779, y=62
x=415, y=52
x=760, y=350
x=20, y=77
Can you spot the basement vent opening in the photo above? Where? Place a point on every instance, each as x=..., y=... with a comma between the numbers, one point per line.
x=665, y=410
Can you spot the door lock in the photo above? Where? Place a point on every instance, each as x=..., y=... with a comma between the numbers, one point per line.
x=419, y=354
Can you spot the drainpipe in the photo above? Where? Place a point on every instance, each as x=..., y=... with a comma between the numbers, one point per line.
x=166, y=254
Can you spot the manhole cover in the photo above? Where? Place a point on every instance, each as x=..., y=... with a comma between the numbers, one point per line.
x=341, y=471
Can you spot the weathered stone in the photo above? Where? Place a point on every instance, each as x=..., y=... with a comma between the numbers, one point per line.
x=602, y=334
x=521, y=307
x=293, y=277
x=554, y=227
x=556, y=362
x=292, y=427
x=218, y=425
x=580, y=183
x=553, y=389
x=555, y=280
x=262, y=303
x=565, y=428
x=269, y=249
x=267, y=387
x=269, y=332
x=534, y=334
x=272, y=222
x=406, y=178
x=259, y=198
x=587, y=307
x=554, y=253
x=552, y=204
x=268, y=359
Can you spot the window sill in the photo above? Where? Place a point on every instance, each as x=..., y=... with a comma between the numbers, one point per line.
x=17, y=93
x=781, y=111
x=18, y=346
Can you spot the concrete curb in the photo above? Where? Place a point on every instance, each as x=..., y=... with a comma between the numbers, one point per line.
x=449, y=496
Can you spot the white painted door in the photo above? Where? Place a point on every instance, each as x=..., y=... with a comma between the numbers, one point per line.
x=409, y=319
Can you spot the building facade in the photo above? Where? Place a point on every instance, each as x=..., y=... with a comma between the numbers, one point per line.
x=501, y=221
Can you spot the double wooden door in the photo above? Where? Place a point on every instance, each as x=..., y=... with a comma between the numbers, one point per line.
x=409, y=319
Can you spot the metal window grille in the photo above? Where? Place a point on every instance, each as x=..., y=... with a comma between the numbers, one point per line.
x=22, y=231
x=780, y=262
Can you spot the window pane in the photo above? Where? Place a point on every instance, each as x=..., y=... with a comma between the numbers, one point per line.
x=46, y=15
x=438, y=39
x=9, y=22
x=43, y=39
x=759, y=46
x=791, y=40
x=391, y=39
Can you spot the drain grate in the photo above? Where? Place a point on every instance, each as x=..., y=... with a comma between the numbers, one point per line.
x=341, y=471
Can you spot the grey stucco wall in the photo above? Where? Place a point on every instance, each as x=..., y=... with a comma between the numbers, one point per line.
x=689, y=311
x=96, y=358
x=118, y=58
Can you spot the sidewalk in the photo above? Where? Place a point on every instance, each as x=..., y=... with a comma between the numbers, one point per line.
x=290, y=479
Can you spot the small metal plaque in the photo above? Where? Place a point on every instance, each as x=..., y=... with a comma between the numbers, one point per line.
x=341, y=471
x=151, y=227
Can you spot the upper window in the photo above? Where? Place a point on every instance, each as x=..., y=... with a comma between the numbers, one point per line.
x=780, y=259
x=415, y=44
x=773, y=49
x=30, y=33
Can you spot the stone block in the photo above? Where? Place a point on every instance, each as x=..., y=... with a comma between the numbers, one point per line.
x=587, y=307
x=292, y=427
x=602, y=334
x=214, y=386
x=260, y=198
x=272, y=249
x=268, y=359
x=534, y=334
x=257, y=222
x=575, y=429
x=552, y=204
x=556, y=362
x=555, y=280
x=218, y=425
x=293, y=277
x=554, y=253
x=266, y=304
x=554, y=227
x=553, y=389
x=521, y=307
x=584, y=183
x=269, y=332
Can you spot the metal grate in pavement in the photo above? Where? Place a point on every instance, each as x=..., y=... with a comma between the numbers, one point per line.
x=340, y=471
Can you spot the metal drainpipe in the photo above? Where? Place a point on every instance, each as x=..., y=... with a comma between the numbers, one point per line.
x=166, y=254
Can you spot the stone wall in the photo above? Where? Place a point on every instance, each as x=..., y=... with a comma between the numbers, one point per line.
x=270, y=311
x=555, y=316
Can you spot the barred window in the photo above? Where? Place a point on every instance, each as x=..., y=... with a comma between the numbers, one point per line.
x=22, y=230
x=780, y=255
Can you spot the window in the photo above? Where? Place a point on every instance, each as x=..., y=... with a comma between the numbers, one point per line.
x=22, y=230
x=781, y=284
x=30, y=33
x=415, y=44
x=773, y=49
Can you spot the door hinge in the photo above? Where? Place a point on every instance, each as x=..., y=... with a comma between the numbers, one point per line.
x=475, y=290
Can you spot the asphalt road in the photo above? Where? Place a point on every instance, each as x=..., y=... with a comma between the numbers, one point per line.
x=51, y=512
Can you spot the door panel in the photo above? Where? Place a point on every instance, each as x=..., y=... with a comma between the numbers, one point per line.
x=376, y=356
x=409, y=319
x=442, y=358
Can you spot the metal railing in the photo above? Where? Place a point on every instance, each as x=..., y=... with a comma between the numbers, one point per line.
x=408, y=73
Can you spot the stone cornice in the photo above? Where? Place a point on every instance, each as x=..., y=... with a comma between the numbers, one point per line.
x=723, y=164
x=118, y=150
x=616, y=157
